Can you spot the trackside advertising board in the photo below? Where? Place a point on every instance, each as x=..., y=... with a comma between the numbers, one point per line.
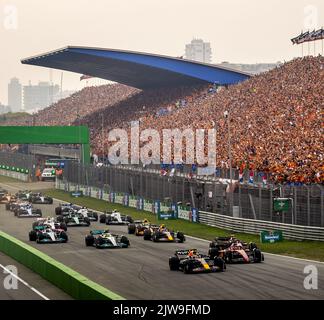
x=161, y=209
x=186, y=213
x=77, y=194
x=271, y=236
x=167, y=215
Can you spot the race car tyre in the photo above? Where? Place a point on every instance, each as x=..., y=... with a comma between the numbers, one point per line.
x=212, y=244
x=174, y=263
x=219, y=262
x=58, y=211
x=32, y=235
x=34, y=225
x=39, y=212
x=124, y=240
x=87, y=221
x=257, y=255
x=39, y=238
x=213, y=253
x=64, y=236
x=181, y=237
x=187, y=268
x=50, y=201
x=155, y=237
x=89, y=240
x=228, y=257
x=60, y=219
x=108, y=219
x=102, y=218
x=147, y=235
x=129, y=219
x=63, y=226
x=131, y=228
x=7, y=206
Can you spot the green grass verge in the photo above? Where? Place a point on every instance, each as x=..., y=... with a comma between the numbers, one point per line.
x=302, y=249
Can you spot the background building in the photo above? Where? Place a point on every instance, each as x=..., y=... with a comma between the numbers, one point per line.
x=4, y=109
x=15, y=95
x=198, y=50
x=255, y=68
x=40, y=96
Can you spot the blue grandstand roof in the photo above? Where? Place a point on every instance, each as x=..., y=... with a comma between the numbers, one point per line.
x=136, y=69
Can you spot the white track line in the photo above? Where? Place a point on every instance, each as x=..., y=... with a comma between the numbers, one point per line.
x=204, y=240
x=24, y=282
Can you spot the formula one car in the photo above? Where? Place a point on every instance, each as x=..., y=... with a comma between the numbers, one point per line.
x=138, y=227
x=14, y=204
x=23, y=195
x=163, y=234
x=191, y=261
x=43, y=234
x=74, y=219
x=233, y=250
x=93, y=216
x=49, y=223
x=39, y=198
x=115, y=217
x=7, y=198
x=103, y=239
x=3, y=194
x=26, y=210
x=66, y=209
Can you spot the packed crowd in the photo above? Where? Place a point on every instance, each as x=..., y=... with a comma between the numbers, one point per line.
x=275, y=119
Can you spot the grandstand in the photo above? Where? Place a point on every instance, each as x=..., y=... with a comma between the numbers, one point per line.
x=276, y=117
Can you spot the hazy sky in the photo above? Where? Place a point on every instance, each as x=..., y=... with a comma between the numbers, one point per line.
x=246, y=31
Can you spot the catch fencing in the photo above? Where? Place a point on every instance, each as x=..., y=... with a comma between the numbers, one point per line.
x=208, y=194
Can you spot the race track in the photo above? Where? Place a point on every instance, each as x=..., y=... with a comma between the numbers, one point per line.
x=142, y=271
x=30, y=286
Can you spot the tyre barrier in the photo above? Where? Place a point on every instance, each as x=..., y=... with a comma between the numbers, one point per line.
x=73, y=283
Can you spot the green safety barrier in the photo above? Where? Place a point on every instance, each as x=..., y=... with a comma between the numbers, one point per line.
x=70, y=281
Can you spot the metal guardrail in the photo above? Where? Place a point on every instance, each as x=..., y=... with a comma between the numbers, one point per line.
x=293, y=232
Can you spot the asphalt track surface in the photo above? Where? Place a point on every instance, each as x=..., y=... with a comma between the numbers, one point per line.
x=142, y=271
x=30, y=286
